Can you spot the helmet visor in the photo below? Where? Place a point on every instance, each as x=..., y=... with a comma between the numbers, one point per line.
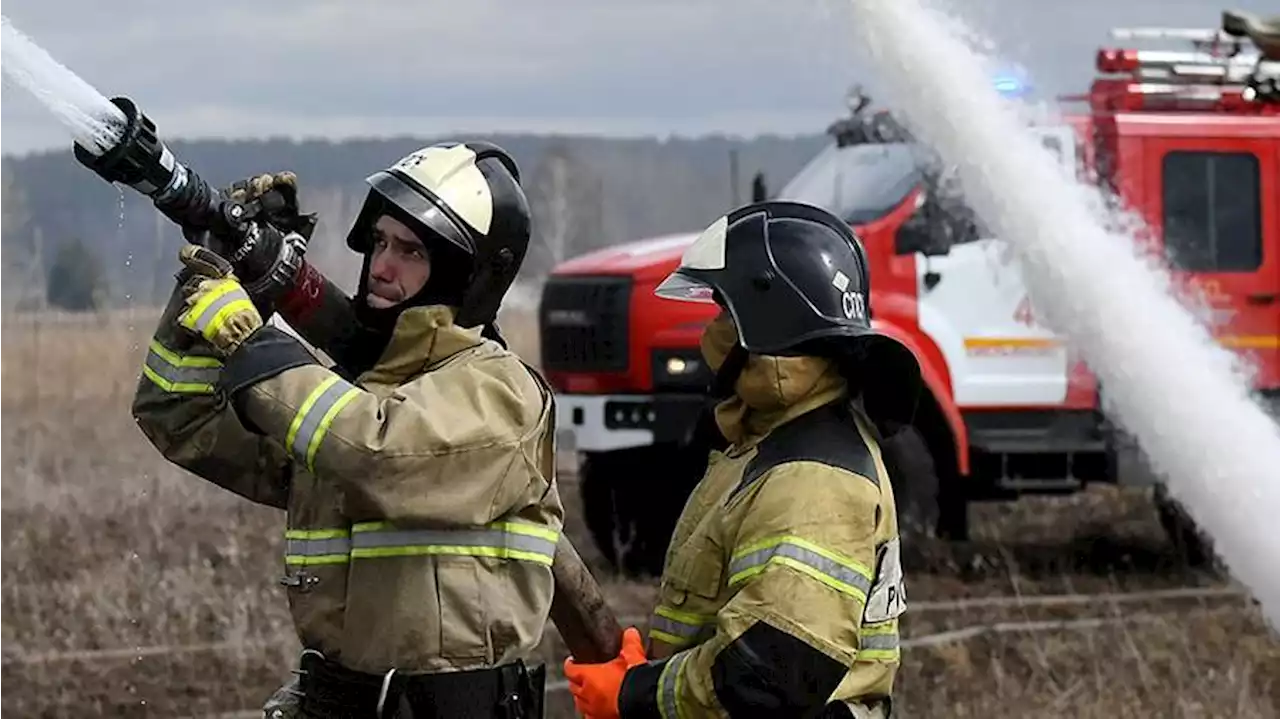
x=680, y=287
x=423, y=207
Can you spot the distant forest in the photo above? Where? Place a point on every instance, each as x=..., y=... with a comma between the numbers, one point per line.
x=72, y=241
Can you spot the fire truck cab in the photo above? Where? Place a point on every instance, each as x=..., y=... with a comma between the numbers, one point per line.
x=1189, y=140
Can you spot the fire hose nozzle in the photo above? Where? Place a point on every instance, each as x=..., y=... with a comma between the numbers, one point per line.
x=140, y=160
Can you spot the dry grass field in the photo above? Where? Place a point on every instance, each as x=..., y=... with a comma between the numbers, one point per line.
x=133, y=589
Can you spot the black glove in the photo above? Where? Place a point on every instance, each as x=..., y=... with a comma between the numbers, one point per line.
x=274, y=197
x=267, y=257
x=268, y=199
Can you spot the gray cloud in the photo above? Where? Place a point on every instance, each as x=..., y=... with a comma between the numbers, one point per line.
x=337, y=68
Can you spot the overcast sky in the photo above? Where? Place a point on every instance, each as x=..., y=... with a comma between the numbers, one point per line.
x=341, y=68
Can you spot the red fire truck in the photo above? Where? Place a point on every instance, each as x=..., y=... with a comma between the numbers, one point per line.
x=1189, y=139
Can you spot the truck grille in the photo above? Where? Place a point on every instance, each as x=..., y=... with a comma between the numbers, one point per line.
x=583, y=323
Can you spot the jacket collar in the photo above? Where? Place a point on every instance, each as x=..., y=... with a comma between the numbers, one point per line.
x=423, y=338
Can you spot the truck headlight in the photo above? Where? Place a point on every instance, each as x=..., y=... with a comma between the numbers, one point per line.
x=682, y=370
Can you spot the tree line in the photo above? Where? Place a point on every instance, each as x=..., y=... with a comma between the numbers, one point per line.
x=73, y=242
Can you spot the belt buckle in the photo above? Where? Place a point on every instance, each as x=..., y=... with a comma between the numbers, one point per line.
x=302, y=580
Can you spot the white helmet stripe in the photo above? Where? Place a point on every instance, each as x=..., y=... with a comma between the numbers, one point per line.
x=707, y=252
x=451, y=174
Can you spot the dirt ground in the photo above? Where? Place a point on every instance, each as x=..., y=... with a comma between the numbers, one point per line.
x=133, y=589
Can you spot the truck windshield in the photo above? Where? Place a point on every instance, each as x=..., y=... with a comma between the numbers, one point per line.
x=860, y=183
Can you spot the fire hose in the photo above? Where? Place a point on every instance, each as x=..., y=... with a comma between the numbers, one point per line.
x=142, y=162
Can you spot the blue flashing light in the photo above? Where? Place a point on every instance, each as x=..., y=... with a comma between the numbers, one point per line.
x=1011, y=87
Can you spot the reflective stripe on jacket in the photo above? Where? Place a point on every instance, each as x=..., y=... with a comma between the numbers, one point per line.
x=783, y=586
x=422, y=506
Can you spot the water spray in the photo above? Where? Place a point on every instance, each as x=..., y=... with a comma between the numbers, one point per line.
x=120, y=143
x=122, y=146
x=1167, y=382
x=314, y=306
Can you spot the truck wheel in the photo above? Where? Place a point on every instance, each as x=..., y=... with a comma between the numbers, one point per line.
x=599, y=508
x=915, y=484
x=1191, y=544
x=953, y=512
x=631, y=500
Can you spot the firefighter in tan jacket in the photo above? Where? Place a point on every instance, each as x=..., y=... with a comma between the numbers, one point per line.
x=783, y=585
x=422, y=512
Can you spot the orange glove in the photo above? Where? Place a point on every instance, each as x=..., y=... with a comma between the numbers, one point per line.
x=595, y=687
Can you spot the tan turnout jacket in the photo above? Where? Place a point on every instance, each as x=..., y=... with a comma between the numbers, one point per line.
x=422, y=509
x=792, y=526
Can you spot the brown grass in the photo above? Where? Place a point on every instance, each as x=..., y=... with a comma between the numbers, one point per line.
x=106, y=546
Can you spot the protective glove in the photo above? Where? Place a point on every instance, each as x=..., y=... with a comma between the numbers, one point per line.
x=595, y=687
x=268, y=260
x=275, y=198
x=217, y=307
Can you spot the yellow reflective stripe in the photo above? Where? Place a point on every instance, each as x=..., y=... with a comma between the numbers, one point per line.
x=314, y=445
x=312, y=421
x=889, y=627
x=670, y=684
x=301, y=414
x=662, y=636
x=208, y=314
x=176, y=387
x=677, y=627
x=500, y=540
x=520, y=541
x=180, y=374
x=295, y=560
x=532, y=530
x=316, y=533
x=317, y=546
x=178, y=360
x=833, y=569
x=370, y=526
x=879, y=641
x=682, y=616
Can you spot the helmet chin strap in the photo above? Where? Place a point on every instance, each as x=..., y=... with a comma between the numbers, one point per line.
x=727, y=376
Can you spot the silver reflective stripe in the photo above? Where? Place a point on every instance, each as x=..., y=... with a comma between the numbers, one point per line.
x=878, y=641
x=669, y=682
x=671, y=627
x=788, y=550
x=317, y=546
x=370, y=540
x=505, y=541
x=180, y=374
x=236, y=293
x=314, y=417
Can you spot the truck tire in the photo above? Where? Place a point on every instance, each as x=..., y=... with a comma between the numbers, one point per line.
x=953, y=511
x=631, y=501
x=916, y=487
x=599, y=510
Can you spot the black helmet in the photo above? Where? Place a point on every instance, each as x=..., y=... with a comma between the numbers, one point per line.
x=794, y=279
x=465, y=201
